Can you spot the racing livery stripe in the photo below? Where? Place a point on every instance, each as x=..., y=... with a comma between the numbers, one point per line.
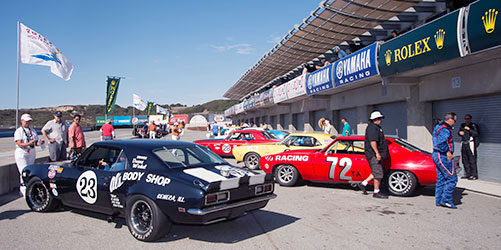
x=229, y=184
x=256, y=179
x=204, y=174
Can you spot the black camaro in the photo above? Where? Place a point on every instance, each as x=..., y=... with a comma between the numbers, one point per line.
x=152, y=183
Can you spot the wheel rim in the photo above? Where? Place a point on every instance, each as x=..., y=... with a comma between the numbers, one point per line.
x=141, y=217
x=399, y=181
x=285, y=174
x=38, y=195
x=252, y=160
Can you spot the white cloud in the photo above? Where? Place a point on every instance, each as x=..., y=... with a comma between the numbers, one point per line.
x=241, y=48
x=275, y=39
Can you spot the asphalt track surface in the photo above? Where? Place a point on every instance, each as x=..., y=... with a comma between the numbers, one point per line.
x=309, y=216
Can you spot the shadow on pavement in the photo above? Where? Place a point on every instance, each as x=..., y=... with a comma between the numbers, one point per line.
x=253, y=224
x=10, y=197
x=119, y=222
x=456, y=196
x=12, y=214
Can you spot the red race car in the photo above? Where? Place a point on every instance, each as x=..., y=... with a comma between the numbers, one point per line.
x=343, y=160
x=224, y=147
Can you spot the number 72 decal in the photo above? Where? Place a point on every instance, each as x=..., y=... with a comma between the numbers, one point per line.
x=345, y=163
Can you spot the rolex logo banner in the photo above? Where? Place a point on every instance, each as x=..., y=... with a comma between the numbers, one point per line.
x=484, y=25
x=427, y=45
x=150, y=107
x=111, y=93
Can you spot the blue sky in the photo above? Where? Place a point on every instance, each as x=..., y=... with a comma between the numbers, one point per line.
x=189, y=52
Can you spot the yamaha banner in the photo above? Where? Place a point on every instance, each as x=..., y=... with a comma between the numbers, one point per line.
x=319, y=81
x=111, y=93
x=357, y=66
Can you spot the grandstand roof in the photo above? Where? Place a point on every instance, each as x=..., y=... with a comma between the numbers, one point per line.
x=349, y=24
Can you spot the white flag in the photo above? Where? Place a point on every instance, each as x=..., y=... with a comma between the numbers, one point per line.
x=161, y=110
x=36, y=49
x=138, y=102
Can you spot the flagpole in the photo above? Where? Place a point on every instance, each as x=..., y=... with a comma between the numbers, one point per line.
x=17, y=93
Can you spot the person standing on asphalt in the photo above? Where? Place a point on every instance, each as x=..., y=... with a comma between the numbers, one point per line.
x=327, y=127
x=176, y=132
x=376, y=150
x=56, y=133
x=346, y=127
x=26, y=139
x=107, y=131
x=215, y=129
x=145, y=129
x=469, y=133
x=443, y=149
x=153, y=130
x=76, y=137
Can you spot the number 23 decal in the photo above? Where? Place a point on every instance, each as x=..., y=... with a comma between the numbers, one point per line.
x=87, y=186
x=345, y=163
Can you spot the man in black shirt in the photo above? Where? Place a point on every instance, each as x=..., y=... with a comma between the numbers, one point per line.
x=469, y=142
x=376, y=150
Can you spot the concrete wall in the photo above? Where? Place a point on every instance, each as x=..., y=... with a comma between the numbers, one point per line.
x=9, y=176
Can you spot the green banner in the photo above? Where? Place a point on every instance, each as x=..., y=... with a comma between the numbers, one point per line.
x=427, y=45
x=481, y=25
x=111, y=93
x=149, y=107
x=101, y=120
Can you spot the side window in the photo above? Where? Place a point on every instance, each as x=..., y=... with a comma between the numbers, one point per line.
x=108, y=155
x=349, y=147
x=121, y=163
x=247, y=137
x=234, y=136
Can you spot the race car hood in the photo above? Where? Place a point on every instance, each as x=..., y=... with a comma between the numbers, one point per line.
x=222, y=177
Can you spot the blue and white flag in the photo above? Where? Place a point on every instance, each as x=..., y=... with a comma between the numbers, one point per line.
x=138, y=102
x=161, y=110
x=36, y=49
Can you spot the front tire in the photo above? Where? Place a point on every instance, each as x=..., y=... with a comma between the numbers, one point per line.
x=251, y=160
x=38, y=196
x=286, y=175
x=145, y=220
x=402, y=183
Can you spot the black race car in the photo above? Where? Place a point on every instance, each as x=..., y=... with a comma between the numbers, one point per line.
x=152, y=183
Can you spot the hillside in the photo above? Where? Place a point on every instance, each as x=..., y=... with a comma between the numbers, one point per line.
x=89, y=112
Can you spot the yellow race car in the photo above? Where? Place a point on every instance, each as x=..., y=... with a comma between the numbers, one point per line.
x=250, y=154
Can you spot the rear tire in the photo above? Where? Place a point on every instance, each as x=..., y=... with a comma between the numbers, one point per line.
x=145, y=220
x=402, y=183
x=38, y=196
x=286, y=175
x=251, y=160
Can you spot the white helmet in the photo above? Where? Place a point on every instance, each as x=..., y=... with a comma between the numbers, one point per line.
x=376, y=115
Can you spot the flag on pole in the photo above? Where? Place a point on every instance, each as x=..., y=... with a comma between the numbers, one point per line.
x=138, y=102
x=111, y=93
x=150, y=107
x=161, y=110
x=36, y=49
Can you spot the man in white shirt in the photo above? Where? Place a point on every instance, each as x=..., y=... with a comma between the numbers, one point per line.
x=56, y=133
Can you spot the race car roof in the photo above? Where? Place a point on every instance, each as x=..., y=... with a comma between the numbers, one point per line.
x=342, y=23
x=141, y=145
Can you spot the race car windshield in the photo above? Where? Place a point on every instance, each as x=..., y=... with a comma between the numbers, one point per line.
x=182, y=157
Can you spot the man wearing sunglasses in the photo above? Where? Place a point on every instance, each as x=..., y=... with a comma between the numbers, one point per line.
x=469, y=142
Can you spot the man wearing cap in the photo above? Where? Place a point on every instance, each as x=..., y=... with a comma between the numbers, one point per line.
x=26, y=139
x=107, y=131
x=469, y=133
x=376, y=150
x=56, y=133
x=443, y=148
x=76, y=137
x=176, y=132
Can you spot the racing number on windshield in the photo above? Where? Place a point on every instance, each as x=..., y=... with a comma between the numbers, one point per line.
x=344, y=163
x=88, y=186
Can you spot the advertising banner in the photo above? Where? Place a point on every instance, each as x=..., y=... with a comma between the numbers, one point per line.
x=149, y=107
x=198, y=120
x=156, y=118
x=239, y=108
x=296, y=87
x=427, y=45
x=319, y=81
x=121, y=120
x=101, y=120
x=481, y=25
x=280, y=94
x=356, y=66
x=140, y=119
x=218, y=118
x=111, y=93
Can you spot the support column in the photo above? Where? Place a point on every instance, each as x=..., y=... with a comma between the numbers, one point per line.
x=308, y=116
x=363, y=113
x=418, y=116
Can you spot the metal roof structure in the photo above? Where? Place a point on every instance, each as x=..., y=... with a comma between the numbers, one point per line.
x=349, y=24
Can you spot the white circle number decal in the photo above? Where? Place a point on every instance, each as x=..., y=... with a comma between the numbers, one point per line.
x=226, y=148
x=87, y=186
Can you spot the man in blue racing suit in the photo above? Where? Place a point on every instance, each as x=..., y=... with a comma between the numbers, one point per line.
x=443, y=148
